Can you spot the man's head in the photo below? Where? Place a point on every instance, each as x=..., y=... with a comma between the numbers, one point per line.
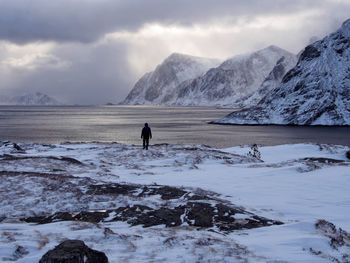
x=146, y=124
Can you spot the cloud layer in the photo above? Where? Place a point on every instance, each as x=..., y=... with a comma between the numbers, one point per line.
x=89, y=51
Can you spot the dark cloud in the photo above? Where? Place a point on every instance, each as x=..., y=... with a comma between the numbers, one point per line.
x=96, y=74
x=23, y=21
x=79, y=64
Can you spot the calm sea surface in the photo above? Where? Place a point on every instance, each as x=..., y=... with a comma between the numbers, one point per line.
x=123, y=124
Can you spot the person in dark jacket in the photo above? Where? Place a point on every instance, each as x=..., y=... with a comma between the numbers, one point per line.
x=146, y=134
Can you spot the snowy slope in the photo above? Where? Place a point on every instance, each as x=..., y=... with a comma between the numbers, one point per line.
x=283, y=65
x=33, y=99
x=156, y=87
x=315, y=92
x=296, y=184
x=236, y=79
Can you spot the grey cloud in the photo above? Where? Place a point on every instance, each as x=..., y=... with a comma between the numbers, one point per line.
x=97, y=74
x=23, y=21
x=83, y=68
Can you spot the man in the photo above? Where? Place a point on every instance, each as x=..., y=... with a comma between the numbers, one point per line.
x=146, y=134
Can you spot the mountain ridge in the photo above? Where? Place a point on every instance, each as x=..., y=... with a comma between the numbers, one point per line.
x=236, y=78
x=153, y=87
x=183, y=80
x=315, y=92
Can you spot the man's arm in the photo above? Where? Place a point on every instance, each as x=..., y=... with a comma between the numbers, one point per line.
x=150, y=133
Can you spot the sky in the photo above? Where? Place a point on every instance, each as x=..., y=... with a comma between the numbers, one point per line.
x=93, y=51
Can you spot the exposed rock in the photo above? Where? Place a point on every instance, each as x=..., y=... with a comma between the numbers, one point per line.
x=73, y=251
x=166, y=192
x=348, y=154
x=17, y=147
x=181, y=208
x=163, y=216
x=200, y=214
x=309, y=53
x=20, y=252
x=112, y=189
x=323, y=160
x=12, y=147
x=339, y=242
x=59, y=216
x=315, y=92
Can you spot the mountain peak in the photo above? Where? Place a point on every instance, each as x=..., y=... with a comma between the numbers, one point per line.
x=176, y=56
x=274, y=48
x=159, y=85
x=179, y=57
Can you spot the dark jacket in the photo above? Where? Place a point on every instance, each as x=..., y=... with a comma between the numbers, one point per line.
x=146, y=133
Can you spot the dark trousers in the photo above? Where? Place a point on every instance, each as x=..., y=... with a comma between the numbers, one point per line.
x=145, y=143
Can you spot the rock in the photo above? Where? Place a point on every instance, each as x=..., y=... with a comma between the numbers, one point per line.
x=163, y=216
x=176, y=207
x=337, y=237
x=73, y=251
x=348, y=154
x=17, y=147
x=200, y=214
x=309, y=53
x=166, y=192
x=59, y=216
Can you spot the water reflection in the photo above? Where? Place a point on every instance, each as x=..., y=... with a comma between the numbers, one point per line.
x=183, y=125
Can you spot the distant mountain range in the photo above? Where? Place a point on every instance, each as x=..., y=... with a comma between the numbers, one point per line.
x=36, y=98
x=315, y=92
x=184, y=80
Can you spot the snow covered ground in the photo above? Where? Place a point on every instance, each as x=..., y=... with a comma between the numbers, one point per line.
x=305, y=186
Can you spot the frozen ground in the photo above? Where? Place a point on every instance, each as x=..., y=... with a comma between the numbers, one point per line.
x=108, y=188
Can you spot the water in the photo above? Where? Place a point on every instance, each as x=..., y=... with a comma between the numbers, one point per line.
x=123, y=124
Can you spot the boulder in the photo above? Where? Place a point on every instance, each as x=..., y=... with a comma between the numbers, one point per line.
x=348, y=154
x=73, y=251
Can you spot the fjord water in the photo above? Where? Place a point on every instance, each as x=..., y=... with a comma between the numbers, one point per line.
x=173, y=125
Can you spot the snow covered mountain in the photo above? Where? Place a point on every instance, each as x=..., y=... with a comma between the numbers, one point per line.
x=156, y=87
x=315, y=92
x=283, y=65
x=33, y=99
x=236, y=78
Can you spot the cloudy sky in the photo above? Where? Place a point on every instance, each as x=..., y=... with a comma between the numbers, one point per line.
x=93, y=51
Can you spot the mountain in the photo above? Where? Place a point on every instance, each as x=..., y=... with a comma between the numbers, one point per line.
x=283, y=65
x=315, y=92
x=235, y=79
x=33, y=99
x=154, y=88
